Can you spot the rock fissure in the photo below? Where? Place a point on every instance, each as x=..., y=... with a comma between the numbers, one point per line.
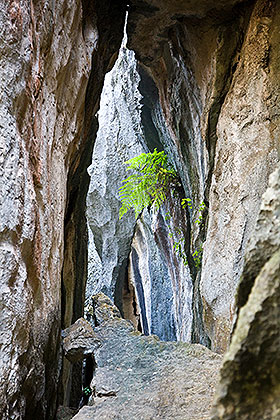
x=200, y=81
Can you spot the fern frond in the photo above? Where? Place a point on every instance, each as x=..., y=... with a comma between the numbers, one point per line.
x=148, y=184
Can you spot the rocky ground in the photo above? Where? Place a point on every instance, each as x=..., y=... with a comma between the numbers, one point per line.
x=140, y=377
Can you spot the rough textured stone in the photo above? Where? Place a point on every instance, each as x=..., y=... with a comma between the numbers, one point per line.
x=41, y=44
x=246, y=153
x=151, y=276
x=98, y=17
x=150, y=20
x=266, y=239
x=249, y=384
x=162, y=282
x=249, y=387
x=209, y=67
x=45, y=62
x=193, y=72
x=208, y=70
x=197, y=61
x=79, y=341
x=118, y=140
x=143, y=378
x=100, y=309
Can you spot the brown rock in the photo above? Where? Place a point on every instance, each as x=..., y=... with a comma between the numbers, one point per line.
x=45, y=64
x=246, y=153
x=249, y=385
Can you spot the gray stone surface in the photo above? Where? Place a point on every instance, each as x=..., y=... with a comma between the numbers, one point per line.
x=266, y=239
x=249, y=384
x=218, y=86
x=142, y=378
x=163, y=285
x=246, y=153
x=150, y=20
x=193, y=75
x=79, y=340
x=118, y=140
x=100, y=309
x=207, y=68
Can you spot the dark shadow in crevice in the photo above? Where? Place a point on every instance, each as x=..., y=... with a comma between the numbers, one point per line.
x=109, y=18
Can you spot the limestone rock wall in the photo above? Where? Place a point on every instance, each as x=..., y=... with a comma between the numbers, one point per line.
x=45, y=63
x=215, y=113
x=215, y=76
x=118, y=139
x=192, y=68
x=162, y=283
x=216, y=67
x=249, y=380
x=134, y=265
x=246, y=153
x=40, y=123
x=98, y=17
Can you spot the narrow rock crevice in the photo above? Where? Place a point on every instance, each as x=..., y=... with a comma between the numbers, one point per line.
x=130, y=304
x=199, y=80
x=106, y=46
x=126, y=118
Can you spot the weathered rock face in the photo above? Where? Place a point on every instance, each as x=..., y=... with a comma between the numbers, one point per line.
x=40, y=123
x=148, y=282
x=246, y=152
x=79, y=341
x=192, y=70
x=118, y=139
x=142, y=378
x=249, y=385
x=150, y=20
x=44, y=45
x=224, y=148
x=209, y=65
x=162, y=284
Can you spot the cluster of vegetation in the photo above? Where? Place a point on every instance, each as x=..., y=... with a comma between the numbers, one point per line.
x=179, y=244
x=151, y=178
x=149, y=184
x=87, y=391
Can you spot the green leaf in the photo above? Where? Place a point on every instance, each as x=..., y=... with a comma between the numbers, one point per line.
x=148, y=184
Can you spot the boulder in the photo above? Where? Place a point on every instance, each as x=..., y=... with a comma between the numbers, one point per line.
x=79, y=340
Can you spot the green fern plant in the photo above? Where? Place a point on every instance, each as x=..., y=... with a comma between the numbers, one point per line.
x=149, y=183
x=152, y=179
